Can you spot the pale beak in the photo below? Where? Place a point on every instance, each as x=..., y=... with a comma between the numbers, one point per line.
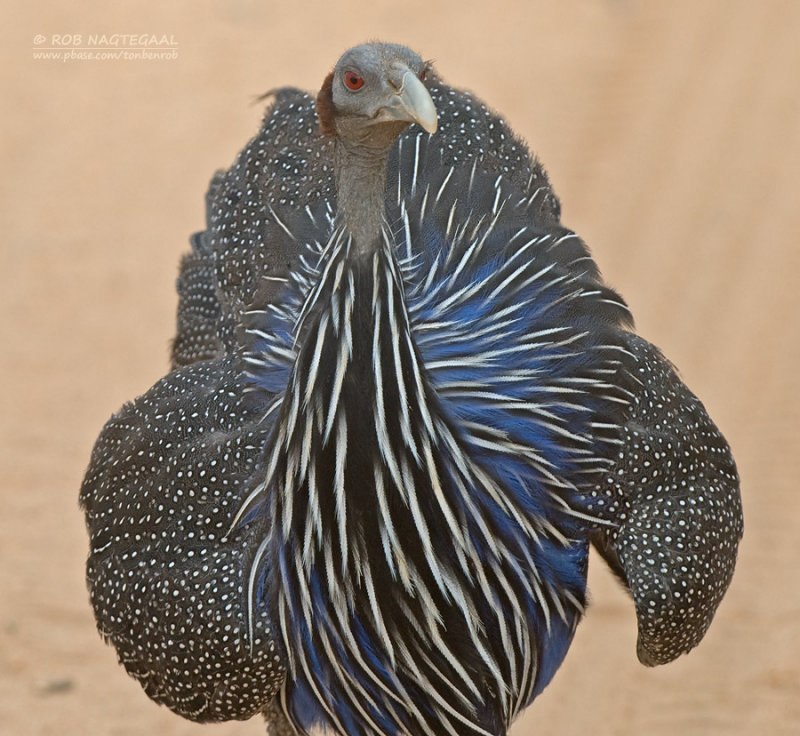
x=412, y=102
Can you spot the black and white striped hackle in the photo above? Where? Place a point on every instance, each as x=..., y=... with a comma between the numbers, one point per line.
x=450, y=392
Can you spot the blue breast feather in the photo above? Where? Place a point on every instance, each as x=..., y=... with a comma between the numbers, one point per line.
x=521, y=347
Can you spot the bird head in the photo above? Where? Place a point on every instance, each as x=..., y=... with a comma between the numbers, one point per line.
x=374, y=92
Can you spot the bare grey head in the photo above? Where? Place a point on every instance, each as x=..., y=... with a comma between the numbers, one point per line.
x=374, y=92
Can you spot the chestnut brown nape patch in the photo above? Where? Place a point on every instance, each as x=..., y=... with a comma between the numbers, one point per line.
x=325, y=107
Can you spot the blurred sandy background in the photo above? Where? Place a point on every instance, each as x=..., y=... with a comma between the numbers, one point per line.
x=672, y=134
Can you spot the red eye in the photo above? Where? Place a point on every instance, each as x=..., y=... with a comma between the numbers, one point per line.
x=353, y=81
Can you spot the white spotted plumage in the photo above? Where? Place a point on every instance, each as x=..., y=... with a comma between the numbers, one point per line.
x=178, y=477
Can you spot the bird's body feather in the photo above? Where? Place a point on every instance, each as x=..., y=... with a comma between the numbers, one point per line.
x=166, y=479
x=441, y=408
x=420, y=437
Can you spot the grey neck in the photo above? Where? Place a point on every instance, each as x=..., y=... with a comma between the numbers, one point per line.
x=361, y=166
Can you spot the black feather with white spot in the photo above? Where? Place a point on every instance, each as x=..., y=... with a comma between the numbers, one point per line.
x=166, y=477
x=678, y=511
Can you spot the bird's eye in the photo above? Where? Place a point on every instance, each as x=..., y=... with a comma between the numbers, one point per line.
x=353, y=81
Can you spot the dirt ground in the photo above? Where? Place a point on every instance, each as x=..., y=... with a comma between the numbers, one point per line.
x=672, y=134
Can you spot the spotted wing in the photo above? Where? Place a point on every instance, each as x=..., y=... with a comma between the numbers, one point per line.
x=166, y=477
x=679, y=513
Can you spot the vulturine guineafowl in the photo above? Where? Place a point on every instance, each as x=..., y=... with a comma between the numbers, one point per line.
x=403, y=404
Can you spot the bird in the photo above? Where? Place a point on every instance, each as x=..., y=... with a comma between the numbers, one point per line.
x=403, y=404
